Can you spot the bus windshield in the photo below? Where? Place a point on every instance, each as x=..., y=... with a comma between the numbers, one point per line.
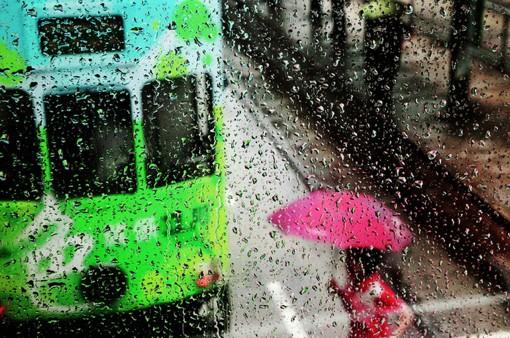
x=179, y=129
x=91, y=145
x=20, y=170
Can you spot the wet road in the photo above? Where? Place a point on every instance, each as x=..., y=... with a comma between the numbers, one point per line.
x=279, y=284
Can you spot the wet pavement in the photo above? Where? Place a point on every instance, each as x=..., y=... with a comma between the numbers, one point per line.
x=478, y=151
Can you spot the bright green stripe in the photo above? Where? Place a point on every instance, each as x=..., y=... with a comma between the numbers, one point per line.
x=220, y=156
x=11, y=63
x=45, y=159
x=141, y=173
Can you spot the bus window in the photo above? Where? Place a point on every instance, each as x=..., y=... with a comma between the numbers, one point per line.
x=20, y=170
x=91, y=143
x=179, y=129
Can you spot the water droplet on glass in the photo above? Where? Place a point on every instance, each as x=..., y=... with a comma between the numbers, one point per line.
x=432, y=154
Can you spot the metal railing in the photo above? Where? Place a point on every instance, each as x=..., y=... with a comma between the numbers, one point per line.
x=495, y=57
x=316, y=16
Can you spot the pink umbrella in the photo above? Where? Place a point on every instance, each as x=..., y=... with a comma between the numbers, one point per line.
x=344, y=220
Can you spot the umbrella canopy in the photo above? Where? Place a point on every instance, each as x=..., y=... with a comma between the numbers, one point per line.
x=345, y=220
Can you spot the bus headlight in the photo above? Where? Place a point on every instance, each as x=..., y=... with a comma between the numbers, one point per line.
x=208, y=275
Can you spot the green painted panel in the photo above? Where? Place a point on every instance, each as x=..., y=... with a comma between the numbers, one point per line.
x=12, y=66
x=193, y=21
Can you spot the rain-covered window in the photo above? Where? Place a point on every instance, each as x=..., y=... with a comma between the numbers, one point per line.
x=179, y=129
x=91, y=143
x=20, y=170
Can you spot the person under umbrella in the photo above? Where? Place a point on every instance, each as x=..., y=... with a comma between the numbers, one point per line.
x=367, y=229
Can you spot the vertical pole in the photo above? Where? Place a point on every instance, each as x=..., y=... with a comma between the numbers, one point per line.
x=504, y=44
x=465, y=33
x=477, y=27
x=411, y=17
x=316, y=21
x=339, y=33
x=240, y=4
x=275, y=10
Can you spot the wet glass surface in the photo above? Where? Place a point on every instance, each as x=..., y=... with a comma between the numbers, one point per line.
x=301, y=168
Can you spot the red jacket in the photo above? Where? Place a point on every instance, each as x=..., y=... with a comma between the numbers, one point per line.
x=373, y=307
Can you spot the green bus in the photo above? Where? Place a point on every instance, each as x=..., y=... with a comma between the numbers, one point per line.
x=112, y=166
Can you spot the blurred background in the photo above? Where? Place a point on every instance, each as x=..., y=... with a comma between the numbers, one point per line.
x=432, y=143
